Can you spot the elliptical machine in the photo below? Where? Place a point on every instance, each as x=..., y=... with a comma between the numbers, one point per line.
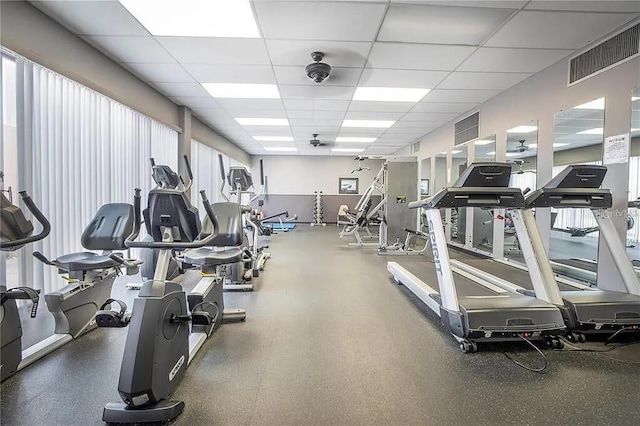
x=239, y=275
x=167, y=326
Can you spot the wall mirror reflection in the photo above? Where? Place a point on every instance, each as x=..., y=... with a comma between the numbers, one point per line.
x=482, y=239
x=633, y=234
x=458, y=218
x=578, y=139
x=522, y=150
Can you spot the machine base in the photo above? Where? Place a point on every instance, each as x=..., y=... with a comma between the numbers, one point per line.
x=163, y=411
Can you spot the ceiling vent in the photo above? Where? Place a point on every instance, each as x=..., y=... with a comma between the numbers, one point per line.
x=467, y=129
x=415, y=147
x=605, y=55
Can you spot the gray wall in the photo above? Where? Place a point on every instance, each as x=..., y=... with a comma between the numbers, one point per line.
x=302, y=175
x=30, y=33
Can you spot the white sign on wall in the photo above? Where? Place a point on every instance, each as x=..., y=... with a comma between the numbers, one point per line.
x=616, y=149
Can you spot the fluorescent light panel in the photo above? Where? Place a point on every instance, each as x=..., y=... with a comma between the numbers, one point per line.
x=481, y=142
x=242, y=91
x=274, y=138
x=368, y=123
x=523, y=129
x=195, y=18
x=635, y=98
x=354, y=139
x=389, y=94
x=263, y=121
x=455, y=151
x=595, y=104
x=596, y=131
x=555, y=145
x=347, y=150
x=280, y=148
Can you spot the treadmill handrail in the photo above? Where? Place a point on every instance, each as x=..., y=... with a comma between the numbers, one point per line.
x=485, y=197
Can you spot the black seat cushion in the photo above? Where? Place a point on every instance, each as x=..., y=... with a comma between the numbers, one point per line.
x=207, y=256
x=109, y=228
x=84, y=261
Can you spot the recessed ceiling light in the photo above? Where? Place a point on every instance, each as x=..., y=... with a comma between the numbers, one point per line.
x=263, y=121
x=455, y=151
x=491, y=153
x=195, y=18
x=595, y=104
x=481, y=142
x=347, y=150
x=635, y=98
x=596, y=131
x=354, y=139
x=513, y=154
x=274, y=138
x=280, y=148
x=443, y=153
x=635, y=130
x=389, y=94
x=523, y=129
x=560, y=144
x=368, y=123
x=245, y=91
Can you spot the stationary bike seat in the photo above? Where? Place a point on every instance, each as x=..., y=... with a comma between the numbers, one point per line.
x=207, y=256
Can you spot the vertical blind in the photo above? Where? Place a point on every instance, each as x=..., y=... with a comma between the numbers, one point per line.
x=634, y=193
x=88, y=150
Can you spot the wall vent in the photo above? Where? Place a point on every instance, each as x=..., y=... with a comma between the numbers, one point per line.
x=415, y=147
x=467, y=129
x=605, y=55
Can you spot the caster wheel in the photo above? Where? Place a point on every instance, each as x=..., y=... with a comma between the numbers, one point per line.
x=582, y=338
x=466, y=347
x=557, y=344
x=572, y=337
x=474, y=347
x=547, y=342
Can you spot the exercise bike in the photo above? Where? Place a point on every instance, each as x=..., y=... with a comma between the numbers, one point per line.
x=167, y=326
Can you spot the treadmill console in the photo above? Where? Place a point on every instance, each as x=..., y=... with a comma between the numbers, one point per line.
x=576, y=186
x=484, y=175
x=241, y=176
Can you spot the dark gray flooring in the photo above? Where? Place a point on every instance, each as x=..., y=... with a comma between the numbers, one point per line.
x=330, y=339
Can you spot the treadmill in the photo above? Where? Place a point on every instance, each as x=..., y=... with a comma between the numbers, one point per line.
x=587, y=310
x=473, y=309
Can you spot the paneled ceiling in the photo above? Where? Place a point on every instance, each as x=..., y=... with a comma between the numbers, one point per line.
x=465, y=52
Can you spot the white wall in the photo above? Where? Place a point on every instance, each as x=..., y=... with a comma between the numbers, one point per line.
x=298, y=175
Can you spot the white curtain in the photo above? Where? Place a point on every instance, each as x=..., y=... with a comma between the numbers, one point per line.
x=206, y=174
x=634, y=192
x=88, y=150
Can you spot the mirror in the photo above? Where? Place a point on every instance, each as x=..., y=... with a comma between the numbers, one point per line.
x=522, y=149
x=459, y=157
x=633, y=220
x=482, y=238
x=578, y=139
x=425, y=178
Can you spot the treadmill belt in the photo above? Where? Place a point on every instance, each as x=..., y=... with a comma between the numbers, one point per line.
x=509, y=273
x=422, y=267
x=578, y=263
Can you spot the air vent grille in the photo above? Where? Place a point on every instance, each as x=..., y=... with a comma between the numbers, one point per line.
x=607, y=54
x=415, y=147
x=467, y=129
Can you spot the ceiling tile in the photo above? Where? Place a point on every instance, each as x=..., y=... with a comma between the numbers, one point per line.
x=319, y=20
x=209, y=50
x=586, y=6
x=315, y=122
x=329, y=115
x=316, y=92
x=165, y=73
x=464, y=96
x=315, y=105
x=252, y=74
x=429, y=117
x=417, y=56
x=131, y=48
x=372, y=106
x=561, y=30
x=508, y=4
x=488, y=80
x=337, y=54
x=401, y=78
x=240, y=105
x=268, y=130
x=416, y=23
x=308, y=114
x=338, y=77
x=364, y=115
x=441, y=107
x=92, y=17
x=512, y=60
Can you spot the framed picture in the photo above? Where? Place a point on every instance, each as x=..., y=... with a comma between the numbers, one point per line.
x=348, y=186
x=424, y=187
